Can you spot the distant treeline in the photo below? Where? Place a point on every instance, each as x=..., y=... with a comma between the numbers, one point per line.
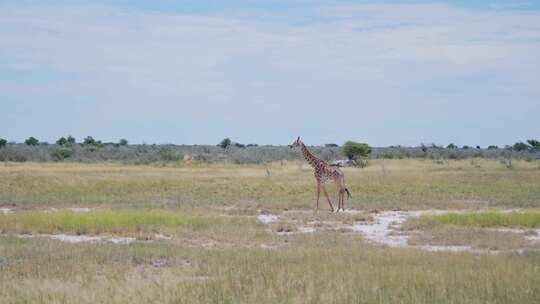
x=90, y=150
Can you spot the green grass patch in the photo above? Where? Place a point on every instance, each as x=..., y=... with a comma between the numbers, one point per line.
x=118, y=222
x=529, y=219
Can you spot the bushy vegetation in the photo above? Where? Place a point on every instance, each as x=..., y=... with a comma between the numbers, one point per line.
x=357, y=153
x=31, y=141
x=225, y=143
x=3, y=142
x=92, y=150
x=62, y=153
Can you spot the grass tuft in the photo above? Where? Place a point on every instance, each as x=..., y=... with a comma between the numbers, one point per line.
x=530, y=219
x=118, y=222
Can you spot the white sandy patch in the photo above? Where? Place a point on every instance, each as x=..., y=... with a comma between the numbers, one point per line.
x=447, y=248
x=82, y=238
x=534, y=237
x=380, y=231
x=72, y=209
x=6, y=210
x=80, y=209
x=385, y=228
x=160, y=236
x=267, y=218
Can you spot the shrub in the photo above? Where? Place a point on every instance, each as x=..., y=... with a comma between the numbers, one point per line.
x=168, y=154
x=331, y=145
x=493, y=147
x=451, y=146
x=535, y=144
x=123, y=142
x=71, y=140
x=239, y=145
x=225, y=143
x=62, y=141
x=31, y=141
x=520, y=146
x=356, y=151
x=89, y=141
x=62, y=153
x=3, y=142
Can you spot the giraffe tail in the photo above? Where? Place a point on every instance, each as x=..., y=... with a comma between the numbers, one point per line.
x=348, y=193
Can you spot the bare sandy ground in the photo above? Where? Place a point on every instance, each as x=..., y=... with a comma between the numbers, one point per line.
x=385, y=228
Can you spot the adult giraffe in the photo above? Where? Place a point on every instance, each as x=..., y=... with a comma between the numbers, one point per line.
x=324, y=173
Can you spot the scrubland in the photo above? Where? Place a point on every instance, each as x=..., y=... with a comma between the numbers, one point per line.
x=199, y=239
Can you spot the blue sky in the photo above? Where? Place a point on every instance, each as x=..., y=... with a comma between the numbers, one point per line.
x=193, y=72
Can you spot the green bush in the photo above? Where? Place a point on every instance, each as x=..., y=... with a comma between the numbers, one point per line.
x=71, y=140
x=520, y=146
x=89, y=141
x=31, y=141
x=357, y=152
x=62, y=141
x=168, y=154
x=354, y=150
x=535, y=144
x=62, y=153
x=123, y=142
x=3, y=142
x=225, y=143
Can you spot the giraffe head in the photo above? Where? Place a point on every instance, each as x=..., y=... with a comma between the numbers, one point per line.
x=297, y=143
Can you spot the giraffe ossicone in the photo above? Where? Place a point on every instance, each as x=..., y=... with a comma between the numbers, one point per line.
x=324, y=173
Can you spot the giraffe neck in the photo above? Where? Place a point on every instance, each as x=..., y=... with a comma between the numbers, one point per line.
x=310, y=158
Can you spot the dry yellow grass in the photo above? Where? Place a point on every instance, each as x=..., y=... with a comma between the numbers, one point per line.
x=409, y=184
x=226, y=260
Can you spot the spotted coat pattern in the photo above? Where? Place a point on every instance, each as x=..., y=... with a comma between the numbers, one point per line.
x=324, y=173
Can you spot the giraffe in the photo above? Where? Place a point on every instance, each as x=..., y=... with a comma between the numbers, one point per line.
x=324, y=173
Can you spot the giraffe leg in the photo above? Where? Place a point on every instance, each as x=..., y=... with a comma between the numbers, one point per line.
x=340, y=197
x=328, y=198
x=318, y=195
x=343, y=199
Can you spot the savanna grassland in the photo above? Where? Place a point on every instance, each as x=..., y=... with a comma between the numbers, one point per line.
x=199, y=240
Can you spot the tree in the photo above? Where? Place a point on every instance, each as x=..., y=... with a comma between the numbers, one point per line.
x=492, y=147
x=239, y=145
x=62, y=141
x=520, y=146
x=535, y=144
x=331, y=145
x=71, y=140
x=123, y=142
x=354, y=150
x=31, y=141
x=451, y=146
x=3, y=142
x=466, y=147
x=225, y=143
x=89, y=140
